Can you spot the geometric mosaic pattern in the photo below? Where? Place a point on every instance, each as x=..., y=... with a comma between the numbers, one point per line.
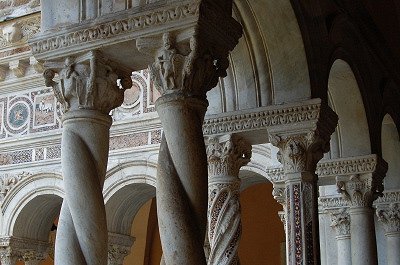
x=38, y=111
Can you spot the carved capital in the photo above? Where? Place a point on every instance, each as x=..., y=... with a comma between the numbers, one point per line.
x=389, y=215
x=191, y=64
x=32, y=257
x=8, y=256
x=279, y=194
x=363, y=188
x=340, y=221
x=119, y=247
x=226, y=155
x=301, y=146
x=88, y=82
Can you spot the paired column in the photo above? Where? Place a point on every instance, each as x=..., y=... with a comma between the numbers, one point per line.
x=388, y=213
x=87, y=90
x=301, y=146
x=360, y=190
x=226, y=155
x=187, y=65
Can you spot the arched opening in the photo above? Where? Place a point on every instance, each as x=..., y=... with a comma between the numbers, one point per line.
x=269, y=65
x=391, y=152
x=351, y=137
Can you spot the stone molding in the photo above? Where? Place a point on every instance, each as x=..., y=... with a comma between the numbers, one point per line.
x=226, y=155
x=53, y=44
x=263, y=118
x=333, y=202
x=87, y=82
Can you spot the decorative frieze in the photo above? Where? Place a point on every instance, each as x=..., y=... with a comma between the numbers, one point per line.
x=8, y=181
x=111, y=31
x=18, y=31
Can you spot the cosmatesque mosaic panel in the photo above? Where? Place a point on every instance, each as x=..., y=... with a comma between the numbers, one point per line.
x=38, y=111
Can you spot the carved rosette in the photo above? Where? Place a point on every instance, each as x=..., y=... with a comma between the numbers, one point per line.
x=225, y=157
x=340, y=221
x=389, y=215
x=87, y=82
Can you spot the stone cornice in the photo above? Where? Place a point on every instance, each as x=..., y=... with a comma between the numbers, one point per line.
x=332, y=202
x=263, y=118
x=87, y=36
x=391, y=196
x=348, y=166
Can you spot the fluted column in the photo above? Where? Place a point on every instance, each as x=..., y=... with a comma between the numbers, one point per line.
x=360, y=190
x=88, y=91
x=301, y=146
x=226, y=155
x=119, y=246
x=389, y=214
x=186, y=66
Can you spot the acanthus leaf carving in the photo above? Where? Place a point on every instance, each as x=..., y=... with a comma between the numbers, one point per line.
x=227, y=156
x=389, y=215
x=340, y=221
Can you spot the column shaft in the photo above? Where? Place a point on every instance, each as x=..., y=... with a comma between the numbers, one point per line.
x=88, y=91
x=225, y=157
x=393, y=248
x=344, y=250
x=363, y=240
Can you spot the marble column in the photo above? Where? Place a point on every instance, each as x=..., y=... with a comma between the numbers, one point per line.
x=87, y=91
x=389, y=215
x=226, y=155
x=360, y=190
x=340, y=221
x=301, y=146
x=119, y=246
x=187, y=65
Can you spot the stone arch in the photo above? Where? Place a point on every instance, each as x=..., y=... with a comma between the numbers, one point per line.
x=127, y=188
x=269, y=65
x=390, y=152
x=31, y=207
x=351, y=137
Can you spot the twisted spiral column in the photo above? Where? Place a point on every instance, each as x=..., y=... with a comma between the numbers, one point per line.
x=226, y=156
x=88, y=91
